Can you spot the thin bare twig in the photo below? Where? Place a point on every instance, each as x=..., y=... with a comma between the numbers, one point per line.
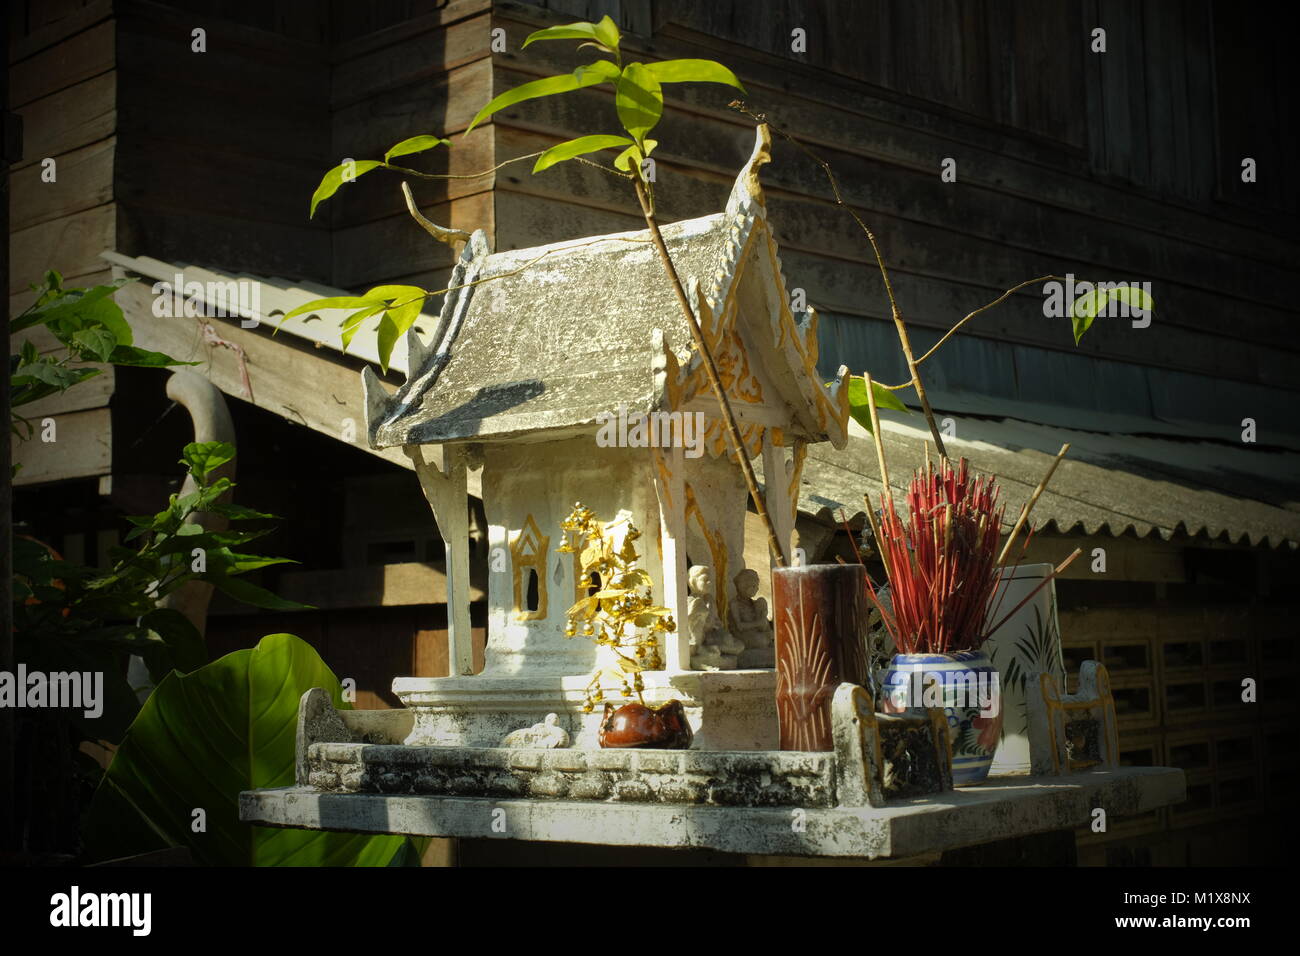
x=1054, y=573
x=904, y=340
x=487, y=172
x=711, y=371
x=1033, y=500
x=441, y=233
x=499, y=166
x=984, y=308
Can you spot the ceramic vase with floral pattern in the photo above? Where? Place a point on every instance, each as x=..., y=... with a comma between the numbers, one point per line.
x=967, y=686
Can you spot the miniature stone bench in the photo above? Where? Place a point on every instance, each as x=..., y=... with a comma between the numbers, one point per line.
x=876, y=757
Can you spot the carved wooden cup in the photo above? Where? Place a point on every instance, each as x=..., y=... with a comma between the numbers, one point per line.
x=821, y=613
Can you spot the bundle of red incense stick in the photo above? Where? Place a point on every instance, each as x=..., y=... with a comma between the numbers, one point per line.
x=941, y=557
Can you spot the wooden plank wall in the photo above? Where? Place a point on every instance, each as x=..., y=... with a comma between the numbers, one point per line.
x=1067, y=161
x=1005, y=89
x=428, y=72
x=63, y=85
x=219, y=151
x=370, y=645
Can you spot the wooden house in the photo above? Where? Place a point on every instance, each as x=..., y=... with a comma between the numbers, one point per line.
x=985, y=142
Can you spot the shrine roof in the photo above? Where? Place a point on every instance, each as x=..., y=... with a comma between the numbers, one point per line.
x=548, y=338
x=551, y=336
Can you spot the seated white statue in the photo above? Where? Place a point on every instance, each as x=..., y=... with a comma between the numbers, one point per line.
x=748, y=614
x=714, y=648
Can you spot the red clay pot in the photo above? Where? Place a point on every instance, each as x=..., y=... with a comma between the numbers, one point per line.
x=655, y=728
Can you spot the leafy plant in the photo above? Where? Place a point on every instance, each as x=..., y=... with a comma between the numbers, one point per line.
x=91, y=329
x=71, y=617
x=398, y=306
x=622, y=615
x=638, y=100
x=1083, y=311
x=637, y=87
x=204, y=737
x=74, y=619
x=352, y=170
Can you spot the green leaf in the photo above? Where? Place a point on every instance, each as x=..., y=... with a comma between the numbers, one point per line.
x=337, y=302
x=395, y=324
x=860, y=409
x=628, y=158
x=199, y=741
x=392, y=293
x=607, y=33
x=352, y=324
x=693, y=71
x=416, y=144
x=201, y=458
x=225, y=561
x=604, y=33
x=639, y=100
x=1088, y=306
x=577, y=147
x=606, y=70
x=184, y=643
x=98, y=343
x=53, y=374
x=143, y=358
x=250, y=593
x=66, y=303
x=103, y=311
x=632, y=157
x=333, y=179
x=580, y=78
x=238, y=512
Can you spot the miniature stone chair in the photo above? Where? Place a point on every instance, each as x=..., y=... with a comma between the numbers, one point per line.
x=747, y=615
x=1072, y=732
x=715, y=648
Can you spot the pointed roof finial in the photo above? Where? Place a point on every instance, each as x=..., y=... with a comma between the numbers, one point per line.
x=747, y=188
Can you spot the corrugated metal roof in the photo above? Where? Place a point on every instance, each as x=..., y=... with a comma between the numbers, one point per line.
x=277, y=297
x=978, y=376
x=1109, y=483
x=1106, y=484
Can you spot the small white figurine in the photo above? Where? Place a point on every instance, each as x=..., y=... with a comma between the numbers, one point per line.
x=747, y=615
x=548, y=735
x=714, y=647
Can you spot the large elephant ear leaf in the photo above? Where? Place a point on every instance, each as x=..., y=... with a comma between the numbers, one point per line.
x=199, y=741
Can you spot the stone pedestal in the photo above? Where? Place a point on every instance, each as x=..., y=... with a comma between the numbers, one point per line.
x=727, y=710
